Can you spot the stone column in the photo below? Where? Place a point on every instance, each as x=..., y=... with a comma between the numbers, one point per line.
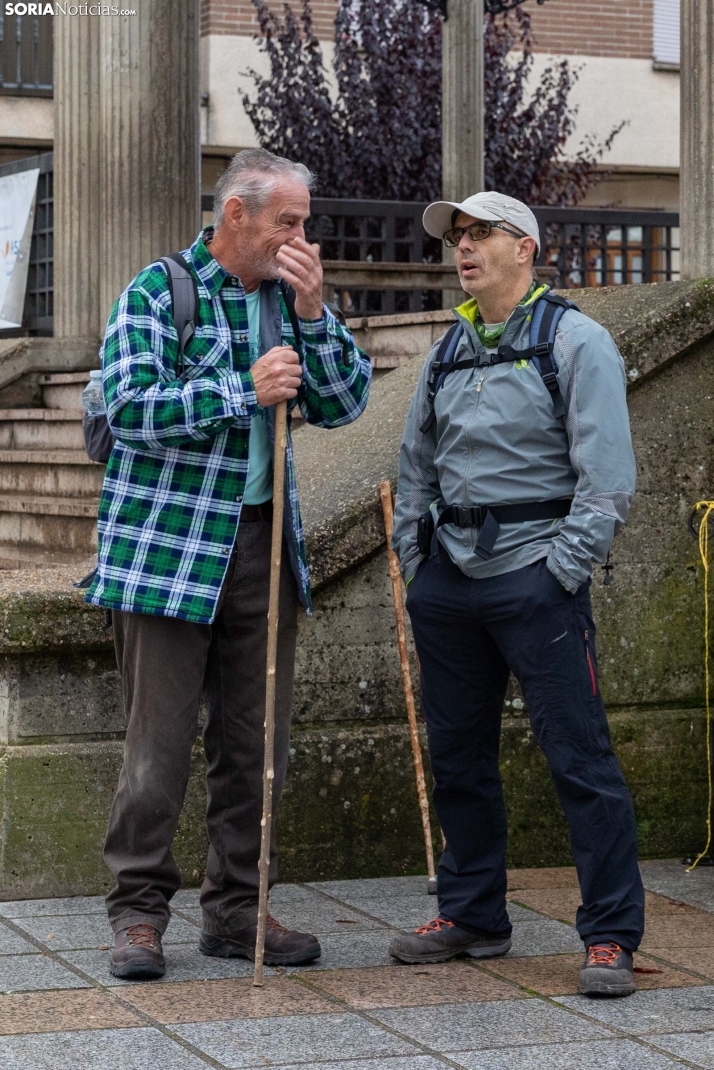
x=76, y=178
x=150, y=138
x=697, y=139
x=462, y=100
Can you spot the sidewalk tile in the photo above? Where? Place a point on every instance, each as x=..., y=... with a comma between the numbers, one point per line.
x=473, y=1026
x=558, y=975
x=75, y=931
x=535, y=935
x=374, y=888
x=78, y=904
x=601, y=1055
x=318, y=916
x=548, y=877
x=401, y=911
x=48, y=1012
x=562, y=903
x=214, y=1001
x=696, y=1047
x=114, y=1049
x=412, y=1062
x=349, y=951
x=666, y=1011
x=32, y=973
x=290, y=1039
x=414, y=986
x=670, y=877
x=13, y=944
x=694, y=930
x=699, y=959
x=183, y=963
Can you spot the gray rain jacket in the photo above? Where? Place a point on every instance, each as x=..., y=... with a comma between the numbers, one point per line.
x=497, y=441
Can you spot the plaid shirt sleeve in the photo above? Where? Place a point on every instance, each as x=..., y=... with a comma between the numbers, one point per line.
x=148, y=406
x=336, y=373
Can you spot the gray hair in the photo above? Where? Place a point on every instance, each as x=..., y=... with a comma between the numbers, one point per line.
x=252, y=175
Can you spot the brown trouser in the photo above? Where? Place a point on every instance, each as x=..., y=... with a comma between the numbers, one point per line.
x=165, y=665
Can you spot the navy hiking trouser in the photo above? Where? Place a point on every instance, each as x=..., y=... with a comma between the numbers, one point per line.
x=469, y=634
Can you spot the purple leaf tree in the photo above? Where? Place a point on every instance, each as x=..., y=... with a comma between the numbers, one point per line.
x=374, y=129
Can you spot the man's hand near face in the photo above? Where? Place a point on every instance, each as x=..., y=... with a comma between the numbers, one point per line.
x=299, y=265
x=276, y=376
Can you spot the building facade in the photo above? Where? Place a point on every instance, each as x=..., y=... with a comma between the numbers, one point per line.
x=626, y=53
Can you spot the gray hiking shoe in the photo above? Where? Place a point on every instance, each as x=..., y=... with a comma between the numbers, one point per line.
x=607, y=971
x=441, y=940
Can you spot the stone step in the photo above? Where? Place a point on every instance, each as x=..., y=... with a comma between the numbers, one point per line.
x=50, y=522
x=41, y=429
x=13, y=557
x=56, y=473
x=63, y=390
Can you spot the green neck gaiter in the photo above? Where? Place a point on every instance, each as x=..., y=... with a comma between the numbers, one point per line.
x=490, y=339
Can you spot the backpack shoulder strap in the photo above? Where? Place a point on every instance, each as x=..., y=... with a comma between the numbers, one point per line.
x=548, y=313
x=444, y=356
x=184, y=298
x=289, y=299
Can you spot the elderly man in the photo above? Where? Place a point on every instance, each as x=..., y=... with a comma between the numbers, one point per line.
x=184, y=548
x=516, y=472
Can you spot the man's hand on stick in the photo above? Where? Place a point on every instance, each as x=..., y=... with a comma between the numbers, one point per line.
x=300, y=267
x=276, y=375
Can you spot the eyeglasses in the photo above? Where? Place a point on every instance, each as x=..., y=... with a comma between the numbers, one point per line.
x=476, y=232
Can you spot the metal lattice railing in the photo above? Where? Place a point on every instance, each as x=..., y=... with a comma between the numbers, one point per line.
x=26, y=46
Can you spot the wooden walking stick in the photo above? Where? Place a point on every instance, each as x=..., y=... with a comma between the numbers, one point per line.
x=276, y=548
x=385, y=492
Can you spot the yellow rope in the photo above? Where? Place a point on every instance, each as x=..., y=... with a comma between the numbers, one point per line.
x=704, y=554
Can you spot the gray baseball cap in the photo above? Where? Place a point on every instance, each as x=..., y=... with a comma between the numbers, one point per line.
x=494, y=207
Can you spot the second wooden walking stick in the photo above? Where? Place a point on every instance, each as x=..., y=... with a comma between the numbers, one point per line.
x=276, y=548
x=385, y=492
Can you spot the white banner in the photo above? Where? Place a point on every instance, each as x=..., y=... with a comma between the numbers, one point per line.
x=17, y=215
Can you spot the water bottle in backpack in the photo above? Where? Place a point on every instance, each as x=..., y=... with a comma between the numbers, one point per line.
x=92, y=395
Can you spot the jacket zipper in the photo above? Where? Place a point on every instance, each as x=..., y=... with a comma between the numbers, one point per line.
x=479, y=384
x=591, y=667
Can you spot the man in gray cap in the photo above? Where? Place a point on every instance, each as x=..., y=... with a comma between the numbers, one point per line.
x=516, y=472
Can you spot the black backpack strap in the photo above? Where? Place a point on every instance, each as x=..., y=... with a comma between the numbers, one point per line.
x=184, y=298
x=289, y=299
x=444, y=360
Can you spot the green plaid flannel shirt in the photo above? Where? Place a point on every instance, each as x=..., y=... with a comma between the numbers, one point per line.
x=174, y=484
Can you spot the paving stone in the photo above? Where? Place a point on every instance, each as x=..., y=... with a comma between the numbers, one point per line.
x=183, y=963
x=548, y=877
x=79, y=904
x=601, y=1055
x=351, y=951
x=213, y=1001
x=314, y=915
x=669, y=877
x=76, y=931
x=402, y=911
x=473, y=1026
x=691, y=958
x=186, y=898
x=48, y=1012
x=693, y=930
x=563, y=903
x=373, y=889
x=666, y=1011
x=12, y=944
x=113, y=1049
x=31, y=973
x=536, y=935
x=558, y=975
x=696, y=1047
x=413, y=1062
x=414, y=986
x=238, y=1044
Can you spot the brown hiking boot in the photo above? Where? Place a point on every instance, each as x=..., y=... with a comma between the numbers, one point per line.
x=137, y=954
x=283, y=947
